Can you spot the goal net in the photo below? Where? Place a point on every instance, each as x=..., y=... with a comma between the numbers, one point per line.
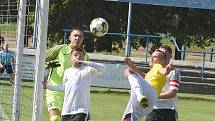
x=20, y=28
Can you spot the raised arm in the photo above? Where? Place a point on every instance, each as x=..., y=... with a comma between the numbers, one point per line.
x=133, y=67
x=98, y=66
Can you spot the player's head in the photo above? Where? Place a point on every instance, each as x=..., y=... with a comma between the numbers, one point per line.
x=76, y=37
x=77, y=56
x=158, y=57
x=5, y=46
x=167, y=50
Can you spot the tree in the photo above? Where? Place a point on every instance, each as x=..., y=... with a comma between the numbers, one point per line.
x=189, y=26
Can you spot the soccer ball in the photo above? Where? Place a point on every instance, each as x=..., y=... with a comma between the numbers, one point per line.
x=99, y=27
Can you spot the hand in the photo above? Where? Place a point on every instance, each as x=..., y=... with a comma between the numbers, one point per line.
x=128, y=62
x=169, y=67
x=52, y=64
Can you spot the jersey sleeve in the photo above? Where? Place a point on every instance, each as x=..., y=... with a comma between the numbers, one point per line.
x=174, y=79
x=52, y=53
x=96, y=68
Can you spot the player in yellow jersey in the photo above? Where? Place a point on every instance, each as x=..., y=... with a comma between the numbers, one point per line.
x=166, y=107
x=145, y=88
x=57, y=60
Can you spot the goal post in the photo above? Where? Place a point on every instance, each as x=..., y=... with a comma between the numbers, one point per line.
x=25, y=95
x=19, y=50
x=40, y=59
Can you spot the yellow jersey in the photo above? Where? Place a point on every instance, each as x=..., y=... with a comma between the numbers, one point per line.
x=155, y=78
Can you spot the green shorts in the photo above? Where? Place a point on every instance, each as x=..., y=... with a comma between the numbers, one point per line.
x=54, y=100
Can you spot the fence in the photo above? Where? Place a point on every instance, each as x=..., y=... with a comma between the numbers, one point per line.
x=147, y=51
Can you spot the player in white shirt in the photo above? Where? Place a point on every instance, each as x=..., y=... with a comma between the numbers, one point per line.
x=166, y=107
x=76, y=85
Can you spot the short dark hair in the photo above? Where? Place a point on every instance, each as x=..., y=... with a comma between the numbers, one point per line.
x=73, y=29
x=167, y=48
x=77, y=28
x=163, y=55
x=78, y=49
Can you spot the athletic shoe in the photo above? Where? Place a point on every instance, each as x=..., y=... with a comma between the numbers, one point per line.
x=144, y=101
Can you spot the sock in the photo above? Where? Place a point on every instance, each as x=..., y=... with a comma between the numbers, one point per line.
x=55, y=118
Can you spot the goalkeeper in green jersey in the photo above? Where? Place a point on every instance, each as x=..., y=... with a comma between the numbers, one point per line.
x=57, y=60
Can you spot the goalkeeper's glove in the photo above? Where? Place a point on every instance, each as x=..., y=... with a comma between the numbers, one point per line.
x=52, y=64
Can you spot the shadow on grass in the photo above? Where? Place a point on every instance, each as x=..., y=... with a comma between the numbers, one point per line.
x=110, y=92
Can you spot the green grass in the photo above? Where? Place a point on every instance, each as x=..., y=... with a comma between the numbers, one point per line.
x=196, y=110
x=11, y=27
x=6, y=100
x=109, y=105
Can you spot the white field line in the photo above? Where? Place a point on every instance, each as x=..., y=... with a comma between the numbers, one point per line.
x=3, y=114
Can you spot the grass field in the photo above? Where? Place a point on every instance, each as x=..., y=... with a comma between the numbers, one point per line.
x=109, y=106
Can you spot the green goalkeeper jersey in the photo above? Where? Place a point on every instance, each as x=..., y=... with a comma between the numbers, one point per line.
x=63, y=54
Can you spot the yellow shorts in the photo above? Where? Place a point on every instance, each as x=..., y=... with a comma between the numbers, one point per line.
x=54, y=100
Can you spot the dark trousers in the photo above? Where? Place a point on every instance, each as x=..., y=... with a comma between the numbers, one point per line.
x=162, y=115
x=75, y=117
x=8, y=68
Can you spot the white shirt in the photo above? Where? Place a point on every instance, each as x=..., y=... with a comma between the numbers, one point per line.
x=172, y=83
x=76, y=85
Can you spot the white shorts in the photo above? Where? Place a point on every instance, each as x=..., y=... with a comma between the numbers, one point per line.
x=133, y=107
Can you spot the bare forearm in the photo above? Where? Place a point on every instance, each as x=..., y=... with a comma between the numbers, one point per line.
x=168, y=94
x=134, y=68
